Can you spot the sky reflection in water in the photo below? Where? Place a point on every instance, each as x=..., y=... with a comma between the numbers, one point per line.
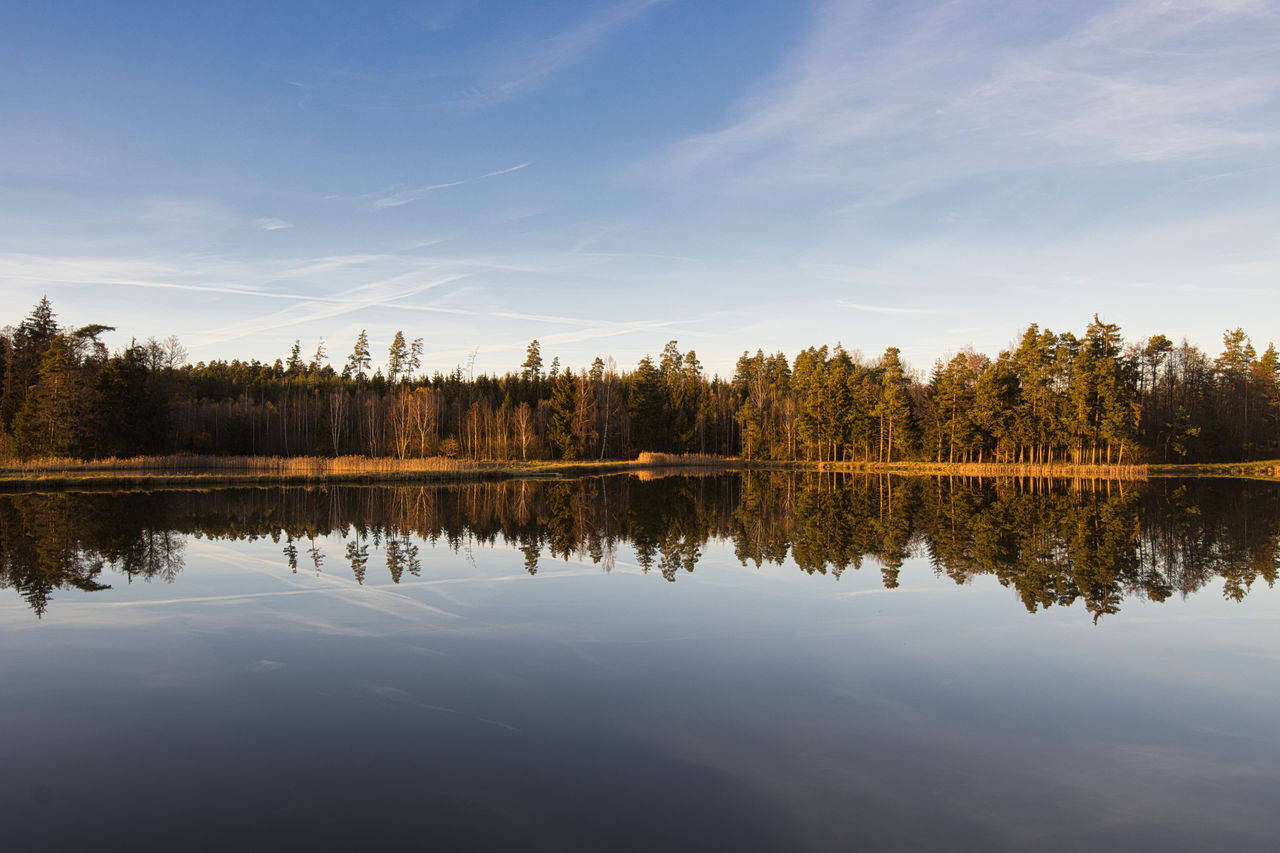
x=472, y=704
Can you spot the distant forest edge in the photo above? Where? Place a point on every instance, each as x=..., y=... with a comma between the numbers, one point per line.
x=1052, y=398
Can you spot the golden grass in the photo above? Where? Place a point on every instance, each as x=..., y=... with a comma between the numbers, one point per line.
x=241, y=468
x=230, y=469
x=272, y=465
x=208, y=469
x=996, y=470
x=683, y=460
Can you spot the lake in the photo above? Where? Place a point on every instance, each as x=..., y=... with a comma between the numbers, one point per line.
x=757, y=661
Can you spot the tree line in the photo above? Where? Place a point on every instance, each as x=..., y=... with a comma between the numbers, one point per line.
x=1051, y=397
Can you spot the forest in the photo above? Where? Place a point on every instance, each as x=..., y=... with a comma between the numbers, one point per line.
x=1092, y=398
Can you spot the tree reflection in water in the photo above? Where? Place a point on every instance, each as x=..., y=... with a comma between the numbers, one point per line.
x=1052, y=542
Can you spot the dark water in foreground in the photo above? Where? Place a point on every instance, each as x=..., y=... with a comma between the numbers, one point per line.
x=837, y=663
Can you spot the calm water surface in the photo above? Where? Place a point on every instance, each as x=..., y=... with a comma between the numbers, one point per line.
x=762, y=662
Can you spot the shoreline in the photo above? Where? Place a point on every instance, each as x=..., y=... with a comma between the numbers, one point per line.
x=219, y=471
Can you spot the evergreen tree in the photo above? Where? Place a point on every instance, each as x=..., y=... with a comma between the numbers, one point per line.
x=359, y=360
x=56, y=416
x=1106, y=392
x=894, y=407
x=531, y=370
x=295, y=365
x=645, y=406
x=1233, y=368
x=560, y=428
x=808, y=387
x=397, y=358
x=1034, y=424
x=952, y=393
x=752, y=386
x=995, y=400
x=26, y=351
x=836, y=404
x=132, y=407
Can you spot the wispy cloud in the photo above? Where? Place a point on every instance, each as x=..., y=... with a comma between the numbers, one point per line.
x=385, y=293
x=879, y=95
x=505, y=171
x=200, y=274
x=121, y=272
x=311, y=291
x=403, y=197
x=529, y=68
x=497, y=70
x=267, y=224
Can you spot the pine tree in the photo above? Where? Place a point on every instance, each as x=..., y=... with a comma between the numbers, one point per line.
x=397, y=358
x=836, y=404
x=1234, y=370
x=26, y=350
x=894, y=406
x=808, y=386
x=560, y=429
x=645, y=406
x=952, y=393
x=750, y=382
x=360, y=360
x=995, y=399
x=57, y=415
x=531, y=370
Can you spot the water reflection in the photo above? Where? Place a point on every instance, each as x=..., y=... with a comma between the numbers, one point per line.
x=1053, y=543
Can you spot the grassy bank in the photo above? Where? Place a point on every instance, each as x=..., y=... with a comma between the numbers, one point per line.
x=227, y=470
x=1260, y=470
x=992, y=469
x=1266, y=469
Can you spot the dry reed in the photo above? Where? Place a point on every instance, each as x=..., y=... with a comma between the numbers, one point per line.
x=253, y=466
x=192, y=466
x=682, y=460
x=998, y=470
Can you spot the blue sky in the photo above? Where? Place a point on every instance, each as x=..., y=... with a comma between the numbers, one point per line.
x=607, y=176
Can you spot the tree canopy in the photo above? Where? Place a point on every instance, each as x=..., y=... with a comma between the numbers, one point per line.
x=1051, y=397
